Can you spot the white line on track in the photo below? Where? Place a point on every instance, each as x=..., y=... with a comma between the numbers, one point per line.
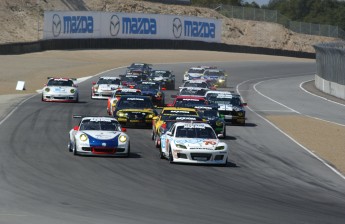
x=292, y=139
x=301, y=87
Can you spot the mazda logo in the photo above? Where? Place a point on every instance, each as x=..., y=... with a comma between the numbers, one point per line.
x=56, y=26
x=177, y=27
x=114, y=25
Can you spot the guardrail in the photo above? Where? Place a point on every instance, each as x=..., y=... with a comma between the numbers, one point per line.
x=67, y=44
x=330, y=68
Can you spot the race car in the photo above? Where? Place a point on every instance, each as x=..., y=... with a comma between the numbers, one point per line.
x=134, y=111
x=103, y=88
x=199, y=83
x=60, y=90
x=211, y=114
x=166, y=112
x=165, y=77
x=153, y=90
x=130, y=80
x=230, y=107
x=116, y=96
x=188, y=101
x=99, y=136
x=140, y=67
x=216, y=76
x=169, y=122
x=193, y=143
x=193, y=73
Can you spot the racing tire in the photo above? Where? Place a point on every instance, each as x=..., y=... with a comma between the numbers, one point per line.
x=170, y=158
x=224, y=133
x=70, y=149
x=75, y=150
x=161, y=156
x=157, y=143
x=129, y=151
x=225, y=163
x=152, y=136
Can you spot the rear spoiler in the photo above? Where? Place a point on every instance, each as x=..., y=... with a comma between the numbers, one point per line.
x=74, y=79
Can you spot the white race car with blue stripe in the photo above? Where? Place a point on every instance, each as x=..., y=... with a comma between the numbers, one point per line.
x=193, y=143
x=99, y=136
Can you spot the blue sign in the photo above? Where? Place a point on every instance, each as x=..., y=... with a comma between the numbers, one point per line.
x=139, y=26
x=78, y=24
x=199, y=29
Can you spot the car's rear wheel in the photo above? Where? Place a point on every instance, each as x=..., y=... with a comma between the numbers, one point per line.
x=157, y=144
x=153, y=135
x=70, y=148
x=161, y=155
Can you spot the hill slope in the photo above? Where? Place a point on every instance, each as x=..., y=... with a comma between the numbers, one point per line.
x=22, y=20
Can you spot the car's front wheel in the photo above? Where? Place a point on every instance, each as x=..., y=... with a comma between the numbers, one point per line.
x=171, y=158
x=75, y=150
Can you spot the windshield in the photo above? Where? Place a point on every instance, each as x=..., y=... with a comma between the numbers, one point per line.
x=130, y=79
x=167, y=113
x=196, y=84
x=195, y=70
x=101, y=125
x=193, y=92
x=190, y=103
x=122, y=93
x=232, y=101
x=135, y=102
x=147, y=86
x=210, y=113
x=53, y=82
x=109, y=81
x=194, y=132
x=160, y=73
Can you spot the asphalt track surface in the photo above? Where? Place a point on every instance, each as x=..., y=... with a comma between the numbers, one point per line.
x=269, y=178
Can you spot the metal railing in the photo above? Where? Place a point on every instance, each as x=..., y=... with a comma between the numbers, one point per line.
x=330, y=58
x=257, y=14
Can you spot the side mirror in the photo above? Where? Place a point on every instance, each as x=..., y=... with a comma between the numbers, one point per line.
x=76, y=128
x=93, y=83
x=123, y=129
x=170, y=105
x=244, y=104
x=164, y=125
x=169, y=133
x=163, y=89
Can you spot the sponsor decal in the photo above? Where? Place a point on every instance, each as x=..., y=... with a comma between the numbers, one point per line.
x=56, y=26
x=177, y=28
x=114, y=25
x=209, y=142
x=140, y=25
x=72, y=24
x=137, y=99
x=199, y=29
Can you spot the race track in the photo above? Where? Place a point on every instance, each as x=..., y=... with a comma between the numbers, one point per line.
x=269, y=178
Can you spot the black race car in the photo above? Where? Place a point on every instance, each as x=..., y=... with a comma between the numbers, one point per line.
x=165, y=77
x=211, y=114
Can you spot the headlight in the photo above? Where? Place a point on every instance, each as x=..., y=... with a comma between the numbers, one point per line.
x=220, y=147
x=72, y=90
x=47, y=90
x=150, y=116
x=121, y=114
x=181, y=146
x=123, y=138
x=219, y=123
x=221, y=80
x=83, y=137
x=159, y=94
x=95, y=87
x=240, y=114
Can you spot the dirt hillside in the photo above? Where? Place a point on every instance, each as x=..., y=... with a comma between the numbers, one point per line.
x=22, y=20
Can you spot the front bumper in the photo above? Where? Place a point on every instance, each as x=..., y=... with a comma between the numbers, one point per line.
x=200, y=156
x=60, y=97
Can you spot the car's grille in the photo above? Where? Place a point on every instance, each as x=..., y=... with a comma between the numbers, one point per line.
x=201, y=156
x=103, y=150
x=136, y=116
x=219, y=157
x=233, y=113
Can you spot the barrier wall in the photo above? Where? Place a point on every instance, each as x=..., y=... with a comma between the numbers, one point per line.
x=110, y=43
x=330, y=68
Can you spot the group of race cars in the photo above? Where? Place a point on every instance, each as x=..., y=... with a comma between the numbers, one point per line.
x=184, y=131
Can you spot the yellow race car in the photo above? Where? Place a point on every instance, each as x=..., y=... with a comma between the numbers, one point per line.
x=157, y=121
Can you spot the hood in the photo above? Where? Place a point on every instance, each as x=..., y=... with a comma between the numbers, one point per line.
x=194, y=75
x=198, y=143
x=159, y=78
x=137, y=110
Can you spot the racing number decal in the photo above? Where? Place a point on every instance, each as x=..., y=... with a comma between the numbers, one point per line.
x=210, y=142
